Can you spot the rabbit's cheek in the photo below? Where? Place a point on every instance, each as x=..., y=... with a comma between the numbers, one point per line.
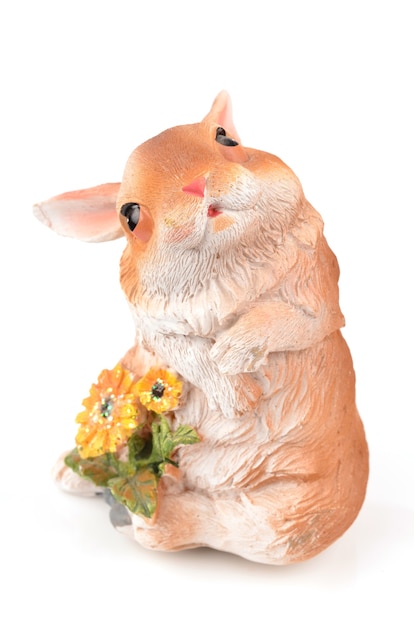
x=222, y=222
x=177, y=234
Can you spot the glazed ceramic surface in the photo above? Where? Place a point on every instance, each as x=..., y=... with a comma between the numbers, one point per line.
x=239, y=377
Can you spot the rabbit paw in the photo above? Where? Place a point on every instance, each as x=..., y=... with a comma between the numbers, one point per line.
x=236, y=352
x=233, y=396
x=71, y=482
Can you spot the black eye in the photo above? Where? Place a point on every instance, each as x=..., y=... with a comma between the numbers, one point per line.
x=222, y=138
x=131, y=211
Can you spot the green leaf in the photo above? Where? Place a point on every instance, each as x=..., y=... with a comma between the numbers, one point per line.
x=136, y=445
x=137, y=492
x=184, y=435
x=164, y=441
x=168, y=440
x=99, y=469
x=126, y=469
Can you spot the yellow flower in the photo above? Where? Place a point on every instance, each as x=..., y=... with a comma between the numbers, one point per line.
x=159, y=390
x=112, y=413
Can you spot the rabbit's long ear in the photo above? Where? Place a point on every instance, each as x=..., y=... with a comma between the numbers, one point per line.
x=221, y=113
x=88, y=214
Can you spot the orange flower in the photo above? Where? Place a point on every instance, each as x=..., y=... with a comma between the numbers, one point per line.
x=159, y=390
x=112, y=413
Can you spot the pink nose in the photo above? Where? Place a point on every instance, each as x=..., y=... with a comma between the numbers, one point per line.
x=196, y=187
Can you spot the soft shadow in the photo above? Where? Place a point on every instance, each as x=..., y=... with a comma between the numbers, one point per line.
x=380, y=533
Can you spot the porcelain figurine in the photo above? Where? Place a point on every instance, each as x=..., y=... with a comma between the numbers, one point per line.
x=231, y=423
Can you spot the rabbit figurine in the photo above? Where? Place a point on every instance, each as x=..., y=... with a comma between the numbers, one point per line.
x=233, y=287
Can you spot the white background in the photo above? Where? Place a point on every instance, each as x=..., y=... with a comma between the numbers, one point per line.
x=328, y=87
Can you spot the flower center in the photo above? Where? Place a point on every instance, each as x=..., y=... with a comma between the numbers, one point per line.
x=107, y=405
x=157, y=390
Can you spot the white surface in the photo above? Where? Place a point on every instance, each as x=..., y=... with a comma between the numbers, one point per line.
x=327, y=86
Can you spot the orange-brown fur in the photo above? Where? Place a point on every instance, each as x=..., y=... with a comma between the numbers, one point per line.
x=244, y=306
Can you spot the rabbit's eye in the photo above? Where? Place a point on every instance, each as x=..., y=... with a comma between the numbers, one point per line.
x=222, y=138
x=131, y=211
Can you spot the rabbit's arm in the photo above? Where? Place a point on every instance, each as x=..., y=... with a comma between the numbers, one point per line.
x=270, y=327
x=190, y=356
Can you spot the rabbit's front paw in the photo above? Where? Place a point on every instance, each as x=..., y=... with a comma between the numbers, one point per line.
x=71, y=482
x=235, y=352
x=234, y=396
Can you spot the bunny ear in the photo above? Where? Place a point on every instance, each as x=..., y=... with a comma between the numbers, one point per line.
x=87, y=214
x=221, y=114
